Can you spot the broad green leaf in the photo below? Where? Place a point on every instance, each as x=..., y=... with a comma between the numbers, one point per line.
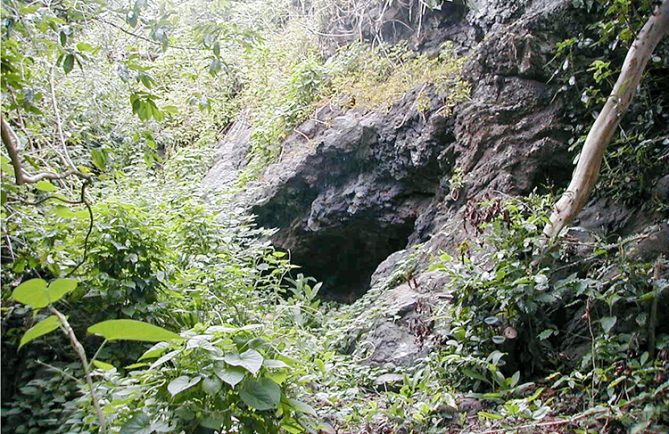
x=138, y=424
x=251, y=360
x=40, y=329
x=102, y=365
x=535, y=395
x=303, y=407
x=473, y=374
x=274, y=364
x=45, y=186
x=68, y=63
x=545, y=334
x=63, y=211
x=211, y=385
x=59, y=287
x=99, y=158
x=84, y=46
x=32, y=292
x=155, y=351
x=170, y=109
x=131, y=330
x=608, y=322
x=37, y=294
x=182, y=383
x=231, y=376
x=263, y=394
x=277, y=376
x=214, y=422
x=164, y=359
x=492, y=320
x=136, y=365
x=486, y=415
x=644, y=358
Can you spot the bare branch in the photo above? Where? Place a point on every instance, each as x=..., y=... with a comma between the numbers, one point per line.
x=602, y=131
x=81, y=352
x=20, y=175
x=59, y=123
x=144, y=38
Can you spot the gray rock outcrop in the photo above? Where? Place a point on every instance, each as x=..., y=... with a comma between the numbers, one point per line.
x=354, y=190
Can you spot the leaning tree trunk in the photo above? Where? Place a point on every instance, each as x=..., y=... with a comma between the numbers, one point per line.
x=602, y=131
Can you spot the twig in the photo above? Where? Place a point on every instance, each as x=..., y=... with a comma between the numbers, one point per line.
x=59, y=127
x=652, y=322
x=81, y=352
x=91, y=218
x=61, y=371
x=593, y=347
x=9, y=247
x=90, y=228
x=144, y=38
x=95, y=356
x=21, y=176
x=302, y=134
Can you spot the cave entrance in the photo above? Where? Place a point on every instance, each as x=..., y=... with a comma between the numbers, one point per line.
x=344, y=258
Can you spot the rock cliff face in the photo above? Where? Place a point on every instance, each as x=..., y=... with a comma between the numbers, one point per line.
x=354, y=191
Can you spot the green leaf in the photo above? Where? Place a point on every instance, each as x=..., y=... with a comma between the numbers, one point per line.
x=213, y=421
x=275, y=364
x=45, y=186
x=608, y=322
x=492, y=320
x=486, y=415
x=139, y=424
x=136, y=365
x=473, y=374
x=131, y=330
x=63, y=211
x=59, y=287
x=214, y=66
x=211, y=385
x=68, y=63
x=170, y=109
x=251, y=360
x=86, y=47
x=157, y=114
x=32, y=292
x=131, y=18
x=277, y=376
x=99, y=158
x=498, y=339
x=303, y=407
x=231, y=376
x=263, y=394
x=146, y=80
x=182, y=383
x=102, y=365
x=155, y=351
x=37, y=294
x=164, y=359
x=545, y=334
x=40, y=329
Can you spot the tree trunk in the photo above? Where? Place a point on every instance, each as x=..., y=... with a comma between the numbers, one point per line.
x=602, y=131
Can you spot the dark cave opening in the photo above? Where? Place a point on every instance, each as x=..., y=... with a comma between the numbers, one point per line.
x=344, y=258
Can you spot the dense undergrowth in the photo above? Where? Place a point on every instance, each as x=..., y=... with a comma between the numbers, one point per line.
x=563, y=333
